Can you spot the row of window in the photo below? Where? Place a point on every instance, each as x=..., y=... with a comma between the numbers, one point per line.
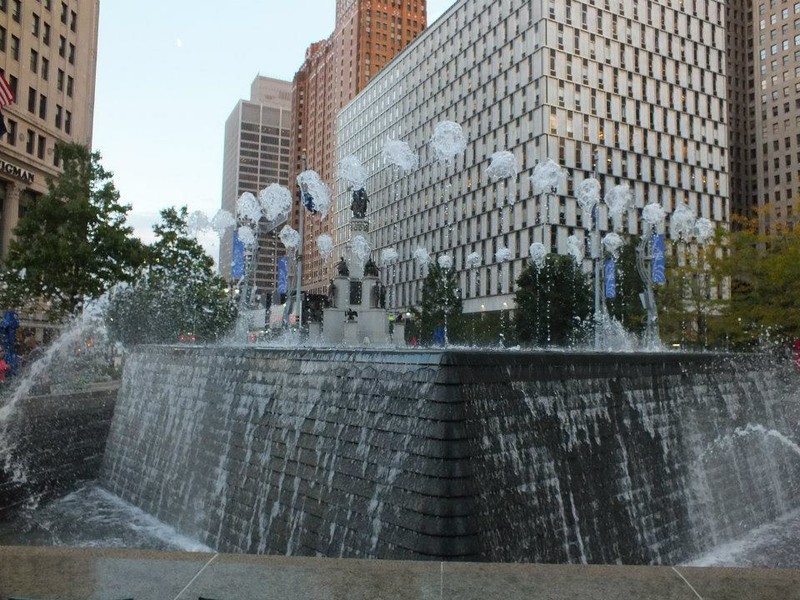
x=35, y=144
x=63, y=118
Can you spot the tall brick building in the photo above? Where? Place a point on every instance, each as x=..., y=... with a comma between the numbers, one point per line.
x=367, y=35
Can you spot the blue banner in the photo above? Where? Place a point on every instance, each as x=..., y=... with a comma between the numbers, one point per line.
x=283, y=274
x=659, y=265
x=237, y=263
x=611, y=278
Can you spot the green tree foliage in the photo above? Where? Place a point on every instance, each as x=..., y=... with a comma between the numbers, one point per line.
x=440, y=299
x=554, y=304
x=764, y=273
x=692, y=300
x=177, y=292
x=627, y=306
x=73, y=242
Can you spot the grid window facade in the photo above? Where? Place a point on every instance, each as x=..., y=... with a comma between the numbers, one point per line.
x=636, y=90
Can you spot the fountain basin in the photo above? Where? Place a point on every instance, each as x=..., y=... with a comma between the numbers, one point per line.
x=455, y=454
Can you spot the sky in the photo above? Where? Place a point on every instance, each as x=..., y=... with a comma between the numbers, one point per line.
x=169, y=73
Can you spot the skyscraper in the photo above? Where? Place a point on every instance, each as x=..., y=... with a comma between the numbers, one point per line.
x=48, y=54
x=367, y=35
x=764, y=72
x=634, y=89
x=256, y=155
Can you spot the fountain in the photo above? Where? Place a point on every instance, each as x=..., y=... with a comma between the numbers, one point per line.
x=359, y=449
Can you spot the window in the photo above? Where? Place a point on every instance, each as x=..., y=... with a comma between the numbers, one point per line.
x=62, y=46
x=59, y=116
x=35, y=25
x=45, y=69
x=60, y=80
x=72, y=54
x=16, y=9
x=46, y=36
x=15, y=47
x=40, y=147
x=34, y=61
x=31, y=100
x=47, y=4
x=65, y=10
x=68, y=122
x=12, y=133
x=2, y=39
x=30, y=141
x=42, y=106
x=73, y=21
x=69, y=86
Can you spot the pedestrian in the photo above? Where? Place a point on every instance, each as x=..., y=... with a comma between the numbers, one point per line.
x=4, y=369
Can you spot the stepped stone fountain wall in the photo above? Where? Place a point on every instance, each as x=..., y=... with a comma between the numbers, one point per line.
x=57, y=440
x=546, y=457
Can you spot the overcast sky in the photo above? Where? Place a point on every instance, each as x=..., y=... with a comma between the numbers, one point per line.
x=168, y=75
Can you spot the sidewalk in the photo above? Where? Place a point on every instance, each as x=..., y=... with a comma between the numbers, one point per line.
x=76, y=574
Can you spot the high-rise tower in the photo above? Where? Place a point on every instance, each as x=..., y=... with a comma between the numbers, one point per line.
x=256, y=155
x=368, y=34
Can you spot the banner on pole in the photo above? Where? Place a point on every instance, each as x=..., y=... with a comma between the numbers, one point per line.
x=611, y=278
x=237, y=264
x=659, y=265
x=283, y=274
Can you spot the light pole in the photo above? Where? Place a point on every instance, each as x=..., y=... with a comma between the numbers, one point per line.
x=299, y=259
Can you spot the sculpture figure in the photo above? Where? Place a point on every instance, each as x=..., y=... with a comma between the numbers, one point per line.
x=359, y=203
x=342, y=267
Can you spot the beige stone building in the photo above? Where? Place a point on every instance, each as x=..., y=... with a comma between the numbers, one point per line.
x=48, y=54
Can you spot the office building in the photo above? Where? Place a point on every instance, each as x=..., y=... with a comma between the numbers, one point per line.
x=48, y=55
x=256, y=155
x=764, y=67
x=640, y=85
x=367, y=35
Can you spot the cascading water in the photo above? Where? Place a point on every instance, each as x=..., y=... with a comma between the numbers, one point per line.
x=73, y=359
x=547, y=457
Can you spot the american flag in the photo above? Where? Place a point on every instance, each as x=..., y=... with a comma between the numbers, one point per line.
x=6, y=95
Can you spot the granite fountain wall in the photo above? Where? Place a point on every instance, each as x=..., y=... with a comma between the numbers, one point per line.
x=546, y=457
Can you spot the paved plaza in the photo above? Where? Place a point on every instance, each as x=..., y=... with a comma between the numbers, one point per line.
x=73, y=574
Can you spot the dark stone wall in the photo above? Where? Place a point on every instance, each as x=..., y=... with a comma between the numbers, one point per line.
x=56, y=441
x=542, y=457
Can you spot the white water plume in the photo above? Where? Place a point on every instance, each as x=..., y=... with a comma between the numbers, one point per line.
x=311, y=183
x=445, y=262
x=546, y=177
x=400, y=155
x=681, y=223
x=389, y=255
x=575, y=249
x=538, y=254
x=448, y=141
x=248, y=208
x=246, y=235
x=222, y=221
x=289, y=237
x=473, y=260
x=353, y=172
x=325, y=245
x=276, y=201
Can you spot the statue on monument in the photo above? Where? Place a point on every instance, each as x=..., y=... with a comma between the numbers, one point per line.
x=371, y=269
x=359, y=203
x=342, y=268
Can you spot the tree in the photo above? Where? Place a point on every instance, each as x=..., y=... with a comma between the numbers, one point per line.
x=554, y=304
x=627, y=306
x=692, y=300
x=441, y=305
x=73, y=242
x=177, y=292
x=764, y=272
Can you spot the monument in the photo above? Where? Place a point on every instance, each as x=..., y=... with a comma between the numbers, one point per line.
x=357, y=313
